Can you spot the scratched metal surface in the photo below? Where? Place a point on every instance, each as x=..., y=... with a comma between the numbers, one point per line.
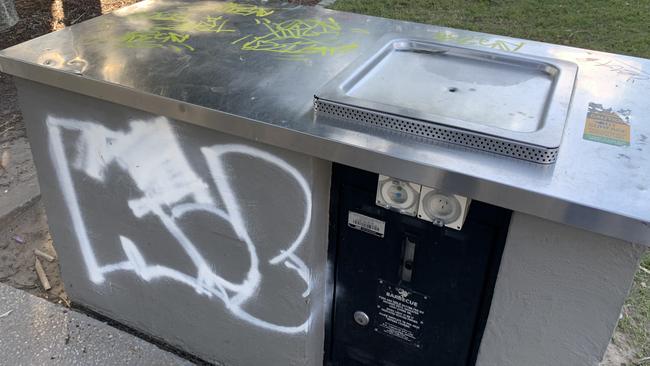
x=252, y=71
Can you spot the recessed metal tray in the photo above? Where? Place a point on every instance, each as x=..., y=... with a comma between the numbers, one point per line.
x=508, y=104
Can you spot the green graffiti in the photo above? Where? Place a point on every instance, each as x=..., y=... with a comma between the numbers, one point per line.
x=156, y=39
x=298, y=37
x=293, y=39
x=498, y=44
x=247, y=10
x=173, y=30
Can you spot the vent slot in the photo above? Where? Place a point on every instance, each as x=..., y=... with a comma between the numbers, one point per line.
x=408, y=126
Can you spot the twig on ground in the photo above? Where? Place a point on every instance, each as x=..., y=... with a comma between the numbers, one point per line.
x=5, y=159
x=7, y=130
x=6, y=123
x=40, y=272
x=10, y=123
x=6, y=314
x=643, y=360
x=76, y=20
x=44, y=255
x=65, y=301
x=646, y=271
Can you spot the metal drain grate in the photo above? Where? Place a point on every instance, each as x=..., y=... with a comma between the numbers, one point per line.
x=433, y=131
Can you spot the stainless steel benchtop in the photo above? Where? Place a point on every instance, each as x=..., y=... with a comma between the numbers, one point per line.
x=252, y=71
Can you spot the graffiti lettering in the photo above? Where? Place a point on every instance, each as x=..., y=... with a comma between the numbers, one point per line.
x=497, y=44
x=173, y=30
x=156, y=39
x=247, y=9
x=298, y=37
x=291, y=38
x=170, y=189
x=631, y=73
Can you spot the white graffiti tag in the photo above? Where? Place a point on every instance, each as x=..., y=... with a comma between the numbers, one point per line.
x=150, y=154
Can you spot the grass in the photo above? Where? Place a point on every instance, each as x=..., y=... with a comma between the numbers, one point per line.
x=635, y=323
x=605, y=25
x=612, y=26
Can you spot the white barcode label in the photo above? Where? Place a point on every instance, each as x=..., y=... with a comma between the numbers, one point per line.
x=366, y=224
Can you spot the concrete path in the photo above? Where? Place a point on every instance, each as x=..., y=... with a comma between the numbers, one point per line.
x=36, y=332
x=18, y=184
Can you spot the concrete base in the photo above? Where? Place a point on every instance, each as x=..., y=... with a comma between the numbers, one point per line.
x=214, y=244
x=558, y=295
x=36, y=332
x=217, y=245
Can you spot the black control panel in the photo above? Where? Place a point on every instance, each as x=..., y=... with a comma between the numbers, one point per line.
x=407, y=292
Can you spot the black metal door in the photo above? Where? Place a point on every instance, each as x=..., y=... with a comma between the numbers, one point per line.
x=420, y=294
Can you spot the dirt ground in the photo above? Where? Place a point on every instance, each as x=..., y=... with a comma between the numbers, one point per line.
x=20, y=236
x=619, y=352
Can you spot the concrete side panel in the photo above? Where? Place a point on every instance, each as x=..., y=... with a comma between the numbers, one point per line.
x=212, y=243
x=558, y=295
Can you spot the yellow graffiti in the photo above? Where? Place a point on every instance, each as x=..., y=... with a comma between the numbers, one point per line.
x=294, y=38
x=180, y=22
x=211, y=24
x=498, y=44
x=298, y=37
x=156, y=39
x=246, y=10
x=173, y=29
x=166, y=16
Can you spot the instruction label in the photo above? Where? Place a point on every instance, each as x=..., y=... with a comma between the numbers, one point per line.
x=607, y=126
x=400, y=313
x=366, y=224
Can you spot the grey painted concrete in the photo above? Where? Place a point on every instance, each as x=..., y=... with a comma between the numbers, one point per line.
x=18, y=183
x=37, y=332
x=558, y=295
x=123, y=165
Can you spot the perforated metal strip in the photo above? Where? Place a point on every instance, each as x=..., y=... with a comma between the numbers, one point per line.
x=436, y=132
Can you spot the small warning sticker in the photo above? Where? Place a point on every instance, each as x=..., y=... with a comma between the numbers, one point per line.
x=607, y=126
x=400, y=313
x=366, y=224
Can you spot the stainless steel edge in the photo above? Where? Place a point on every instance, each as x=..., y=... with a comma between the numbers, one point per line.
x=510, y=197
x=433, y=131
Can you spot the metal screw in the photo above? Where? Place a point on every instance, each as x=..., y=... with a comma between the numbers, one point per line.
x=361, y=318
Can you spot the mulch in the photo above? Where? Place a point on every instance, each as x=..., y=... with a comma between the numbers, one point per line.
x=38, y=17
